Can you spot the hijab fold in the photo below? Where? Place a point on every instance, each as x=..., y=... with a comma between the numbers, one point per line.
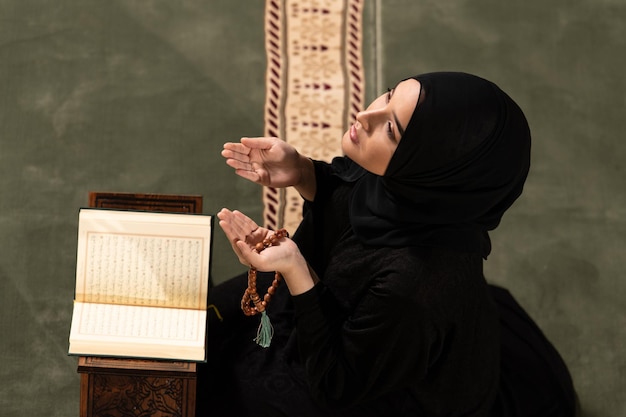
x=461, y=163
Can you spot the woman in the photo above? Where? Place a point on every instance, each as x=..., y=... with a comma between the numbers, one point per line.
x=385, y=311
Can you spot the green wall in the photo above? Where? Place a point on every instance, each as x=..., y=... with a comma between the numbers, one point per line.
x=139, y=96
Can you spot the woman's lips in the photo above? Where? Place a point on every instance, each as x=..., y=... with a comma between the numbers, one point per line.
x=353, y=136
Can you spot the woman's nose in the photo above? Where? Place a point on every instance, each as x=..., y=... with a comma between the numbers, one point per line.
x=367, y=118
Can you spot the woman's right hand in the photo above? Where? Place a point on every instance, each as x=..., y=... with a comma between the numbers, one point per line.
x=271, y=162
x=266, y=161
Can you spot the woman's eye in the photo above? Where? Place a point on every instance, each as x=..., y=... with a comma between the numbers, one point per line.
x=390, y=130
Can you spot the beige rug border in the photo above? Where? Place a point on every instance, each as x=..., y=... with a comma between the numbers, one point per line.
x=314, y=86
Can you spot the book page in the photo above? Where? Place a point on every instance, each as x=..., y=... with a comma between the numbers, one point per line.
x=137, y=322
x=145, y=259
x=143, y=270
x=121, y=330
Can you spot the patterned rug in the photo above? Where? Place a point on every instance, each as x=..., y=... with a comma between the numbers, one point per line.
x=314, y=85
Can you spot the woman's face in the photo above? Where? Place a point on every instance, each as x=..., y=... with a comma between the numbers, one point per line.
x=374, y=137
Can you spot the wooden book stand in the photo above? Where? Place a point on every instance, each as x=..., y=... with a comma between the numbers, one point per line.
x=115, y=387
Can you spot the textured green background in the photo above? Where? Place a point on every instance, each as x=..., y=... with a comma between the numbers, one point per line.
x=140, y=95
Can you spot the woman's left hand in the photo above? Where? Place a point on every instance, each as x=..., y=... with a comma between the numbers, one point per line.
x=240, y=228
x=283, y=256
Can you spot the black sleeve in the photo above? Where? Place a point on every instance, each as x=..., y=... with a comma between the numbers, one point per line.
x=319, y=214
x=386, y=342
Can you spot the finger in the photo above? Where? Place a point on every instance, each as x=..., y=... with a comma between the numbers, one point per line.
x=237, y=148
x=259, y=143
x=224, y=214
x=234, y=243
x=232, y=237
x=238, y=226
x=249, y=175
x=228, y=223
x=249, y=256
x=244, y=225
x=233, y=154
x=235, y=226
x=240, y=164
x=227, y=228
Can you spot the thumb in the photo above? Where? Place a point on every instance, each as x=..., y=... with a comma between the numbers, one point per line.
x=247, y=252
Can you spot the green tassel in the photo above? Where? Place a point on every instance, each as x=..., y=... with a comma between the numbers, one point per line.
x=265, y=332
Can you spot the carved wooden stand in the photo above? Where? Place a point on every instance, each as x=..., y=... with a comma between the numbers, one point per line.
x=132, y=387
x=120, y=387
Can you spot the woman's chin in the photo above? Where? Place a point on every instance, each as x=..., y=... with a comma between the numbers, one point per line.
x=346, y=144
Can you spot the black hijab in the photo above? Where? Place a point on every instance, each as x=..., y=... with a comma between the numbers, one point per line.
x=460, y=164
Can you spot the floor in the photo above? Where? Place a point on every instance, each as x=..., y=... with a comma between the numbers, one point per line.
x=140, y=96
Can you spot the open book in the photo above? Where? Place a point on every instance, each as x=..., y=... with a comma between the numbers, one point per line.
x=142, y=283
